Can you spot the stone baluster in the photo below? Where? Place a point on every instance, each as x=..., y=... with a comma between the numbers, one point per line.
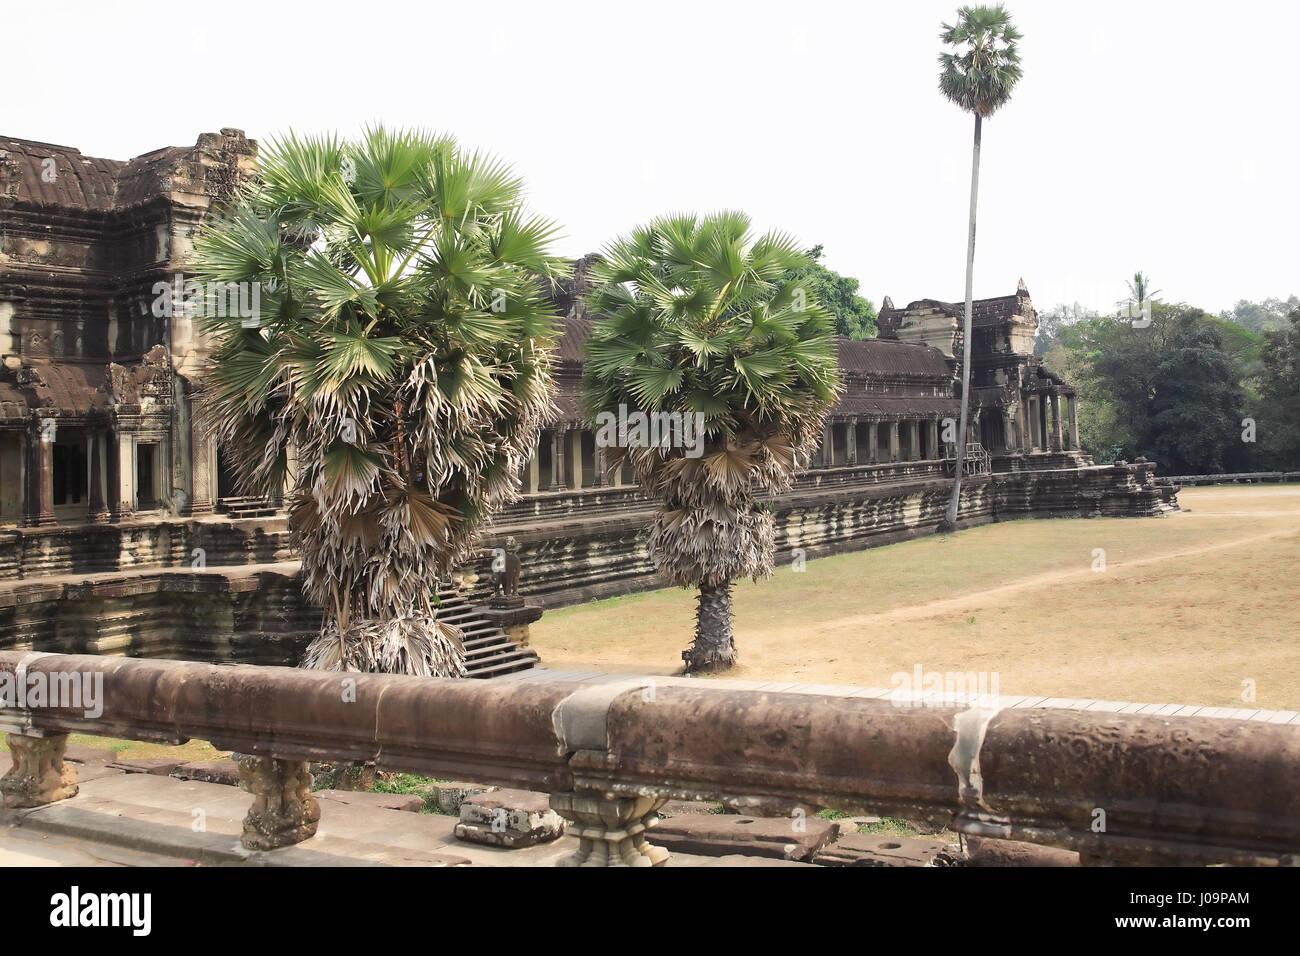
x=38, y=774
x=284, y=812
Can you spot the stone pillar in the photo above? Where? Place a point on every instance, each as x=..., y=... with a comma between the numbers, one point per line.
x=915, y=429
x=38, y=774
x=121, y=476
x=40, y=473
x=96, y=509
x=599, y=481
x=893, y=441
x=202, y=455
x=557, y=458
x=851, y=441
x=873, y=454
x=575, y=438
x=610, y=832
x=284, y=811
x=828, y=446
x=1056, y=422
x=1035, y=423
x=934, y=439
x=1008, y=431
x=1074, y=423
x=534, y=473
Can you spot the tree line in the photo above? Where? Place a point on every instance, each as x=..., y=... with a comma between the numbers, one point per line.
x=1195, y=392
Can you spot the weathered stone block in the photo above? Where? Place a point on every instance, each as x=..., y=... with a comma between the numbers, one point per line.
x=988, y=851
x=722, y=834
x=509, y=818
x=158, y=766
x=408, y=802
x=215, y=771
x=877, y=849
x=455, y=792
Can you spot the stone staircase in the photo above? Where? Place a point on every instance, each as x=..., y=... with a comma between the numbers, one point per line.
x=246, y=507
x=488, y=651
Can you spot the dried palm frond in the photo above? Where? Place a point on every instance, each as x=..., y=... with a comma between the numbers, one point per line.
x=416, y=644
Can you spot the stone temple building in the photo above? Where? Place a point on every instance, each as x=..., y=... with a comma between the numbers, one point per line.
x=103, y=469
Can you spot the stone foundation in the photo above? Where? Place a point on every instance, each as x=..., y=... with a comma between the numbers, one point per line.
x=249, y=612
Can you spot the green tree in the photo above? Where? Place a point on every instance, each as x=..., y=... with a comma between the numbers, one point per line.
x=697, y=319
x=1278, y=410
x=400, y=359
x=1053, y=322
x=1172, y=390
x=1269, y=315
x=855, y=317
x=979, y=77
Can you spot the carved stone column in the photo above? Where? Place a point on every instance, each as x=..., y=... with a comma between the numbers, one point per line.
x=121, y=474
x=533, y=472
x=557, y=458
x=284, y=811
x=1074, y=423
x=851, y=442
x=96, y=510
x=1056, y=422
x=893, y=441
x=611, y=832
x=873, y=453
x=38, y=775
x=599, y=479
x=40, y=473
x=202, y=454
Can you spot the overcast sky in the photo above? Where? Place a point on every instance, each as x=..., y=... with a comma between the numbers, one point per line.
x=1153, y=136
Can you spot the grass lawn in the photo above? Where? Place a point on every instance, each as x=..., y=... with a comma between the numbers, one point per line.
x=1188, y=607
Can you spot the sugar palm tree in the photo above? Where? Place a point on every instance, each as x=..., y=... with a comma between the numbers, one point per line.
x=979, y=77
x=395, y=378
x=696, y=320
x=1140, y=293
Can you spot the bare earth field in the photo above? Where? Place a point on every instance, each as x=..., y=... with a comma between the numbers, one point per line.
x=1187, y=608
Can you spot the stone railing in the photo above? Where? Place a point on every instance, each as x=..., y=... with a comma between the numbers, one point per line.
x=1169, y=789
x=976, y=460
x=1248, y=477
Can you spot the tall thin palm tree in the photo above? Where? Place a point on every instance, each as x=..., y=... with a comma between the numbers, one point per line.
x=396, y=375
x=979, y=77
x=1140, y=292
x=697, y=321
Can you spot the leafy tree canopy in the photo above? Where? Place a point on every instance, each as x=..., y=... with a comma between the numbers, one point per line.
x=855, y=317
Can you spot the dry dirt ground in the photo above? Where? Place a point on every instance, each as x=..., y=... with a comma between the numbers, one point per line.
x=1190, y=608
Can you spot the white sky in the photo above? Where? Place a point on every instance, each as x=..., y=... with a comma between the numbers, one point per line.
x=1149, y=136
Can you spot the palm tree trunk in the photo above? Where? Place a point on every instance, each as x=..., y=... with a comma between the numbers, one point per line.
x=712, y=649
x=949, y=522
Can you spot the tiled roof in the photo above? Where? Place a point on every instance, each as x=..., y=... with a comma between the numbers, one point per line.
x=887, y=357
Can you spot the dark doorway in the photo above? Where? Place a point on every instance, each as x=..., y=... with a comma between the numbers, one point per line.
x=69, y=472
x=225, y=476
x=144, y=463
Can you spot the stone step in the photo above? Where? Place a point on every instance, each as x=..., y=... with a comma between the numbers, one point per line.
x=525, y=661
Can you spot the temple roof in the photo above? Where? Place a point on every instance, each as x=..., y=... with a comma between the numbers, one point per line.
x=49, y=175
x=999, y=309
